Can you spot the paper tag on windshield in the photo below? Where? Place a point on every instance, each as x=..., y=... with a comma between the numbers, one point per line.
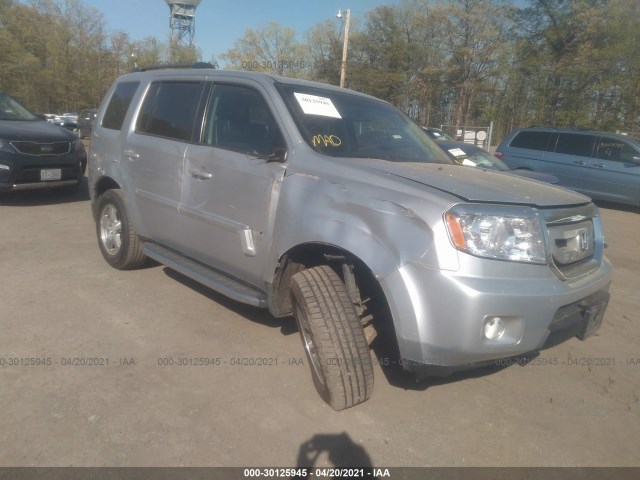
x=314, y=105
x=457, y=152
x=468, y=163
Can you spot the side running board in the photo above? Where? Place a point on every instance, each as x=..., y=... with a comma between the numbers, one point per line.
x=213, y=279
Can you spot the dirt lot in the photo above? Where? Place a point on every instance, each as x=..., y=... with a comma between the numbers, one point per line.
x=93, y=384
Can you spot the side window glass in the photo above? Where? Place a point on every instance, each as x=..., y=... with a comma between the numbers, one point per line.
x=575, y=144
x=616, y=150
x=238, y=118
x=169, y=110
x=531, y=140
x=118, y=105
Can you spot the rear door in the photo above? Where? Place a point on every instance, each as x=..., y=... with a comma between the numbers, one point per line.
x=155, y=153
x=570, y=160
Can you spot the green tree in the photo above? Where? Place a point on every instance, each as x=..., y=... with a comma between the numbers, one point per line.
x=272, y=49
x=324, y=54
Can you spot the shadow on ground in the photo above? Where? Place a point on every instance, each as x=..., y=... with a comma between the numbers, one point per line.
x=384, y=348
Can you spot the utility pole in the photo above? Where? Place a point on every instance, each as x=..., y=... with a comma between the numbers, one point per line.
x=345, y=45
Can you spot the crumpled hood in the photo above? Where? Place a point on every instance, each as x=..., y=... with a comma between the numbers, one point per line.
x=35, y=131
x=480, y=185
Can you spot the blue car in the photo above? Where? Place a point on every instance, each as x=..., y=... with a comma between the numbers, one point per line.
x=604, y=166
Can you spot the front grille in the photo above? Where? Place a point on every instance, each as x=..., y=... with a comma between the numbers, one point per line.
x=38, y=149
x=572, y=240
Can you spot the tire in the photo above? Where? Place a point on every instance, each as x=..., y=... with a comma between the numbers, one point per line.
x=332, y=337
x=119, y=244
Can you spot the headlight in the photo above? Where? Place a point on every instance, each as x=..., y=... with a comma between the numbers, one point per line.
x=502, y=233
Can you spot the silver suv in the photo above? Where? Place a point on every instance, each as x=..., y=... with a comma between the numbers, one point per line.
x=333, y=207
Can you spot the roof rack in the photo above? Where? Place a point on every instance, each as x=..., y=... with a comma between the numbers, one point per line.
x=176, y=66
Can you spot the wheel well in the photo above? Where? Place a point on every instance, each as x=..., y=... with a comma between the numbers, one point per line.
x=363, y=288
x=104, y=184
x=101, y=186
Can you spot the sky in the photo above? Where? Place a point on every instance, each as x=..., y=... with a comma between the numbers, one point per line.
x=220, y=22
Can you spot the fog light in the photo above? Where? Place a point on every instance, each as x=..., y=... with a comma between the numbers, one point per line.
x=493, y=328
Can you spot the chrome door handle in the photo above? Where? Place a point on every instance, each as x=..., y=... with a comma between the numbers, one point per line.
x=200, y=174
x=131, y=154
x=598, y=165
x=579, y=162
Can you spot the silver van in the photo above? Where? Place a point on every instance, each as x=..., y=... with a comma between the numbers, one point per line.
x=334, y=208
x=604, y=166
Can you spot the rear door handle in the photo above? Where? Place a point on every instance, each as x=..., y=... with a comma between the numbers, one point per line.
x=579, y=162
x=599, y=165
x=200, y=174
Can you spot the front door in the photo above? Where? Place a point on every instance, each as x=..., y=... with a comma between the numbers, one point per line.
x=231, y=183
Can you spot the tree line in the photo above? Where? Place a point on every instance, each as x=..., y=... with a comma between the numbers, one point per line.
x=59, y=56
x=572, y=63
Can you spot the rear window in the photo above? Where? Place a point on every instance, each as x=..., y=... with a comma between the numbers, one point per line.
x=169, y=109
x=531, y=140
x=118, y=105
x=575, y=144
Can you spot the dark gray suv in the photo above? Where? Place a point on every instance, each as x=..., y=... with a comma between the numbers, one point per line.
x=35, y=153
x=605, y=166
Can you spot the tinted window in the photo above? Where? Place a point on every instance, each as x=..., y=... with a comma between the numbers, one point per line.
x=169, y=109
x=239, y=119
x=118, y=105
x=531, y=140
x=575, y=144
x=617, y=150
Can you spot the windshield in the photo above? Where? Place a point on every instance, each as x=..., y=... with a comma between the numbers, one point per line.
x=346, y=125
x=12, y=110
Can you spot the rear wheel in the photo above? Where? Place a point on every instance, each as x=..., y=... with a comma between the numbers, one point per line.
x=119, y=244
x=332, y=337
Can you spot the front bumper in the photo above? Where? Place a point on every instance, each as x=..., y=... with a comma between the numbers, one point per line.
x=439, y=315
x=8, y=187
x=27, y=177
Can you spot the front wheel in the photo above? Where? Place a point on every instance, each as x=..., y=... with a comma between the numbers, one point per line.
x=333, y=337
x=119, y=244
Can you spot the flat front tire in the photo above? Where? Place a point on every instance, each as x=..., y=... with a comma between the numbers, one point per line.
x=119, y=244
x=333, y=337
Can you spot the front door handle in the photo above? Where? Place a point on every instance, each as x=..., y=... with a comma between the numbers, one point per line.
x=131, y=154
x=200, y=174
x=579, y=162
x=598, y=165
